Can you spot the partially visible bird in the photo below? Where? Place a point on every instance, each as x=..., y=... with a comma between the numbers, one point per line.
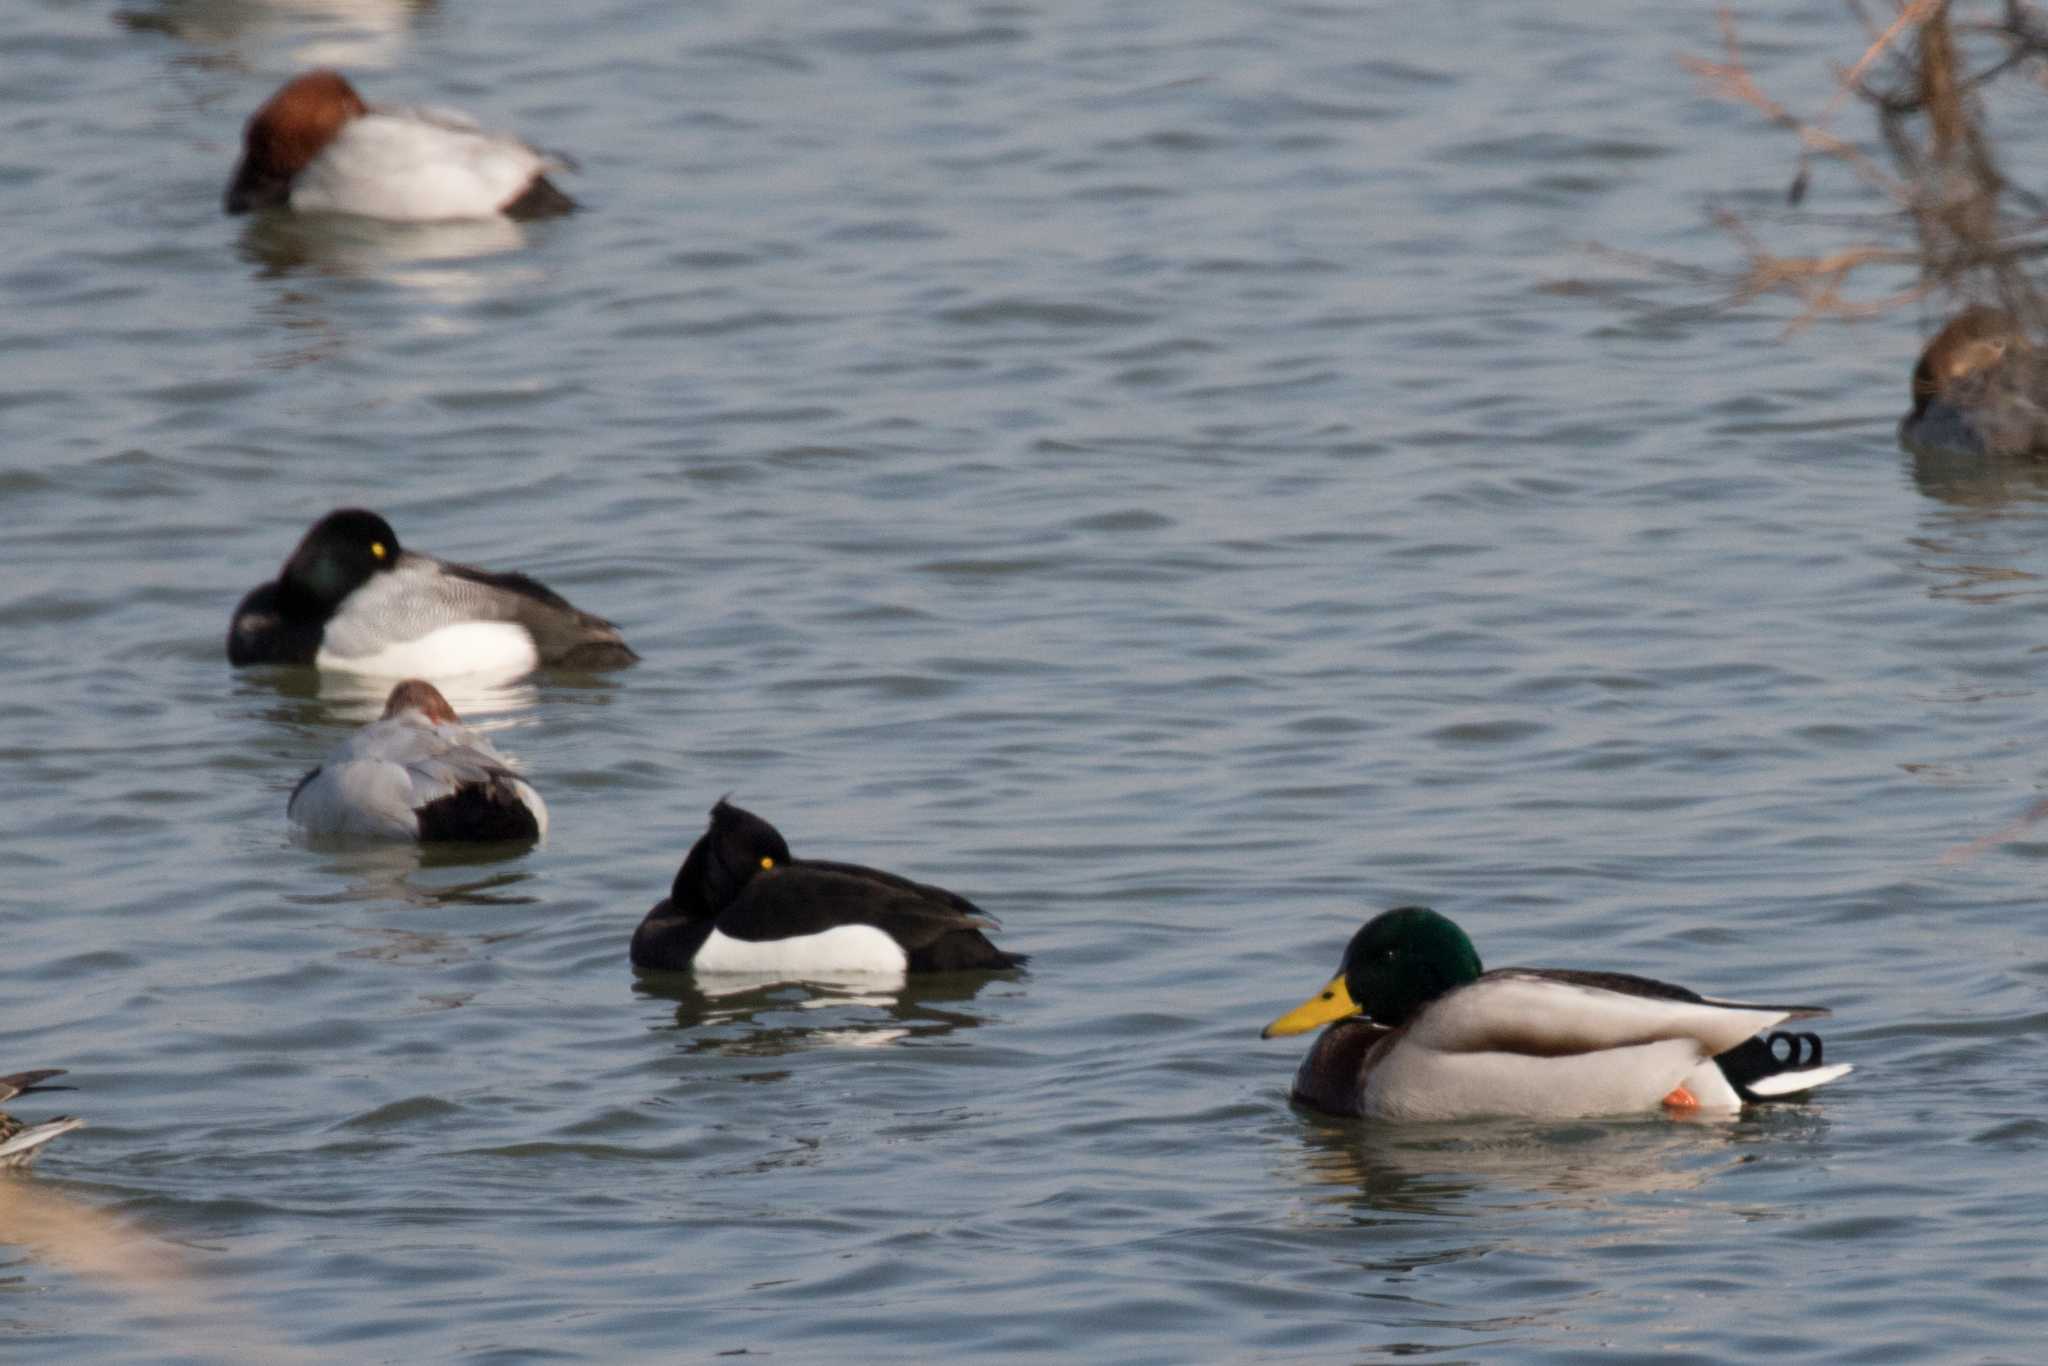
x=1980, y=387
x=22, y=1143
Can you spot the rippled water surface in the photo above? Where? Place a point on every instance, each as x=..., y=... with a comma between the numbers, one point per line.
x=1180, y=475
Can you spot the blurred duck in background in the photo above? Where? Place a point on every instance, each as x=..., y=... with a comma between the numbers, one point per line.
x=1980, y=388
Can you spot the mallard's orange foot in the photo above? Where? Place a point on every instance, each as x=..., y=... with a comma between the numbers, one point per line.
x=1682, y=1099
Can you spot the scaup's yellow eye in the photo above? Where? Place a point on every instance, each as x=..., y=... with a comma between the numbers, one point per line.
x=767, y=862
x=377, y=549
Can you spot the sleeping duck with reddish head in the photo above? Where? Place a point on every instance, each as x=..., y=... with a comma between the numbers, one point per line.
x=317, y=147
x=742, y=903
x=1418, y=1031
x=418, y=773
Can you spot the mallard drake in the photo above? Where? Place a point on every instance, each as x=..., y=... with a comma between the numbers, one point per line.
x=21, y=1144
x=1978, y=389
x=1420, y=1032
x=742, y=903
x=418, y=773
x=352, y=598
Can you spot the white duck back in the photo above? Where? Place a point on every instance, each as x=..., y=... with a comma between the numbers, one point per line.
x=416, y=165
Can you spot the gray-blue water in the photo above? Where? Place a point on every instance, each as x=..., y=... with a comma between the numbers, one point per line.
x=1178, y=474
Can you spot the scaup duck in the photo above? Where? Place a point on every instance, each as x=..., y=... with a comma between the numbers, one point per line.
x=1420, y=1032
x=418, y=773
x=21, y=1143
x=742, y=903
x=316, y=146
x=352, y=598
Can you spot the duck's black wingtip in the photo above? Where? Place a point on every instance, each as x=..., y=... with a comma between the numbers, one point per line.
x=542, y=199
x=480, y=813
x=965, y=950
x=1759, y=1071
x=593, y=656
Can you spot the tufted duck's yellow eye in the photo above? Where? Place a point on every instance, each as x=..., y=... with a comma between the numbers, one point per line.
x=767, y=862
x=377, y=549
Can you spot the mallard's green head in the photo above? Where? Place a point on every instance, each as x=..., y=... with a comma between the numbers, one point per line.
x=1401, y=961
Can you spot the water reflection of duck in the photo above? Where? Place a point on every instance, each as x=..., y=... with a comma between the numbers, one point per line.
x=864, y=1012
x=1420, y=1032
x=431, y=877
x=1438, y=1168
x=355, y=33
x=22, y=1143
x=312, y=702
x=427, y=257
x=742, y=903
x=1978, y=389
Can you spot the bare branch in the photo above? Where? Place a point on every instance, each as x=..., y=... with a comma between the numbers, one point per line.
x=1949, y=228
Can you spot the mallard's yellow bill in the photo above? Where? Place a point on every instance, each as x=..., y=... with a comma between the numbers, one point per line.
x=1333, y=1002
